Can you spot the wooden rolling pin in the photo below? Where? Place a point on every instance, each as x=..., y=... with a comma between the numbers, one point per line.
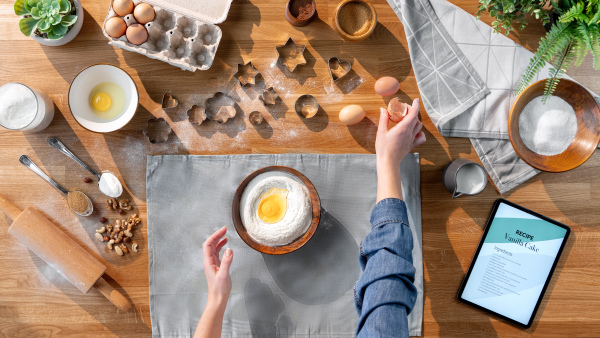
x=61, y=252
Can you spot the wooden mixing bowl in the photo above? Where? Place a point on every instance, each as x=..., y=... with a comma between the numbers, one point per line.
x=358, y=37
x=298, y=242
x=588, y=130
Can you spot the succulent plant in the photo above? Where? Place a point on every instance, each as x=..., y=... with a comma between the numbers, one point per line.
x=48, y=16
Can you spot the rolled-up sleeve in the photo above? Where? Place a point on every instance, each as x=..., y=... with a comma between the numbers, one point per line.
x=385, y=293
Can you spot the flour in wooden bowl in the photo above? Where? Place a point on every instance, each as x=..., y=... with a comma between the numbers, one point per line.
x=270, y=195
x=547, y=129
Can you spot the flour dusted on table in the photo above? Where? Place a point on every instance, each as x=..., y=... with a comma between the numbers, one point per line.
x=18, y=106
x=547, y=129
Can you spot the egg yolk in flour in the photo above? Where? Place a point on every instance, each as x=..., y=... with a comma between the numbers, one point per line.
x=273, y=205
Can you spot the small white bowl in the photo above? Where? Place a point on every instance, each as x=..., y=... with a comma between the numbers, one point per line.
x=79, y=95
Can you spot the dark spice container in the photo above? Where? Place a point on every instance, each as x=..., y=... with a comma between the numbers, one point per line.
x=300, y=12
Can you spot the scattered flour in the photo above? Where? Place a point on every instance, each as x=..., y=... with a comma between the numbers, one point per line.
x=548, y=129
x=297, y=218
x=18, y=106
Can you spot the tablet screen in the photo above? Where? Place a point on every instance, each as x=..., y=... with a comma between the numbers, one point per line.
x=515, y=259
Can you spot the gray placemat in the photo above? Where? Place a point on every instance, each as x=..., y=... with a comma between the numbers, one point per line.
x=467, y=76
x=306, y=293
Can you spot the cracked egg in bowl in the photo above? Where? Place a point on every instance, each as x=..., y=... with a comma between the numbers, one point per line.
x=276, y=210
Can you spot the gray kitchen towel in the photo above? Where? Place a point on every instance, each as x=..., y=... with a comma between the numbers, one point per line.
x=467, y=76
x=305, y=293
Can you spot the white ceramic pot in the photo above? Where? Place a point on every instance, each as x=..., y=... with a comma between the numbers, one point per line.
x=71, y=34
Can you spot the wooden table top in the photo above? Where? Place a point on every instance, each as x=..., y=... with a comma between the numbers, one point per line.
x=35, y=300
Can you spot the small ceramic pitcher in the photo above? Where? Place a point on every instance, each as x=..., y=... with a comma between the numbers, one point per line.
x=464, y=177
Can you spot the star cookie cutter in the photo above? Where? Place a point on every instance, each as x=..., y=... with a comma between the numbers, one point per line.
x=338, y=68
x=246, y=74
x=291, y=55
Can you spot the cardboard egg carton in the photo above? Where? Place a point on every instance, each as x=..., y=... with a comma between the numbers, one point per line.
x=187, y=41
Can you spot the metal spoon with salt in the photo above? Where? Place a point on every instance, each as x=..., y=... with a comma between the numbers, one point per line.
x=54, y=142
x=26, y=161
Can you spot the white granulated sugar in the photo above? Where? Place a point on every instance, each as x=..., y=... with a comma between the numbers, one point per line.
x=18, y=106
x=110, y=186
x=296, y=220
x=548, y=129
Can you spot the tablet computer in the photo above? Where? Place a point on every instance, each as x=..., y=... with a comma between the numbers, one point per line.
x=513, y=263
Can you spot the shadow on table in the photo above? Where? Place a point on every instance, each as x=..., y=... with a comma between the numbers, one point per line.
x=318, y=122
x=266, y=317
x=312, y=275
x=82, y=52
x=117, y=321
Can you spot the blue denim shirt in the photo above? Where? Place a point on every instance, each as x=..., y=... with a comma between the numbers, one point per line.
x=385, y=293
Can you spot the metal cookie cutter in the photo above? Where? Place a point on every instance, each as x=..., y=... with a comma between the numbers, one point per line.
x=291, y=55
x=338, y=68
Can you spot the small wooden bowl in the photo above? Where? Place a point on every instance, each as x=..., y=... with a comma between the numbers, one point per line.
x=345, y=35
x=293, y=19
x=588, y=129
x=298, y=242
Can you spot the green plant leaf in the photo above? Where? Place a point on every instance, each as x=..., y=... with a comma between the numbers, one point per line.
x=564, y=60
x=558, y=36
x=65, y=6
x=59, y=30
x=52, y=36
x=29, y=4
x=27, y=25
x=44, y=25
x=20, y=8
x=56, y=19
x=55, y=5
x=68, y=20
x=35, y=13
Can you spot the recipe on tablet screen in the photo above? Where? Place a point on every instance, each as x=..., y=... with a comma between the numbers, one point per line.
x=514, y=262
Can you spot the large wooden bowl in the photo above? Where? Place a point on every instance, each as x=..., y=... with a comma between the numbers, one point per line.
x=298, y=242
x=588, y=130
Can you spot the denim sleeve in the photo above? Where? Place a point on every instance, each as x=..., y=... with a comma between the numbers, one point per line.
x=385, y=293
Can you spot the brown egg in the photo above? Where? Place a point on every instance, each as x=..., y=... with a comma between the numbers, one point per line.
x=122, y=7
x=387, y=86
x=352, y=114
x=137, y=34
x=143, y=13
x=115, y=27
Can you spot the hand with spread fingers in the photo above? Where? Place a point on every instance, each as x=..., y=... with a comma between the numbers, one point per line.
x=219, y=284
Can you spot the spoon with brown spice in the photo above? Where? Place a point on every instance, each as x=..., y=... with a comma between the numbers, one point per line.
x=77, y=201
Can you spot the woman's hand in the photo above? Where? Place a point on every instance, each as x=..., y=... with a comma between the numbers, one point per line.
x=392, y=146
x=217, y=270
x=219, y=285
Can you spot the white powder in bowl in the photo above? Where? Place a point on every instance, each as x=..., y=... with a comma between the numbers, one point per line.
x=547, y=129
x=18, y=106
x=110, y=186
x=298, y=215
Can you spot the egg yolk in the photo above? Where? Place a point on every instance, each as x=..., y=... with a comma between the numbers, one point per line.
x=273, y=205
x=101, y=101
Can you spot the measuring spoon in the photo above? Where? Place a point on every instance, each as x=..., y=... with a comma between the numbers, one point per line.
x=26, y=161
x=53, y=141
